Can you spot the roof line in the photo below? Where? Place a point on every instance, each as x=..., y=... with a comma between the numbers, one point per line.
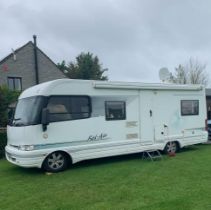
x=144, y=86
x=50, y=60
x=17, y=50
x=20, y=48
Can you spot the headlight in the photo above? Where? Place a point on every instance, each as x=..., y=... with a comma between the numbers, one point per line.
x=26, y=147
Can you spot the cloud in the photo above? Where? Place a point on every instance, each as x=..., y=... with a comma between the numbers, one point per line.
x=132, y=38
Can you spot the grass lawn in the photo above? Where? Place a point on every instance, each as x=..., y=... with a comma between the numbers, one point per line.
x=174, y=183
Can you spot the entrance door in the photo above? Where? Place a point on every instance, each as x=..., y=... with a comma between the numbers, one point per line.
x=146, y=117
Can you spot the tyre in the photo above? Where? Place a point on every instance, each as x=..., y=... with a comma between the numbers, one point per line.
x=55, y=162
x=171, y=147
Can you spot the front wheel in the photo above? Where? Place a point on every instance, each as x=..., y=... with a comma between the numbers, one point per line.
x=55, y=162
x=171, y=147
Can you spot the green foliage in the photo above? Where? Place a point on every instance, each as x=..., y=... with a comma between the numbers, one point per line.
x=86, y=67
x=62, y=66
x=3, y=143
x=118, y=183
x=6, y=98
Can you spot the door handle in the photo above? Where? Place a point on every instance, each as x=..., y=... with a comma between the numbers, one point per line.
x=150, y=113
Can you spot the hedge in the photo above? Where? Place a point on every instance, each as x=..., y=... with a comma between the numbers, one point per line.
x=3, y=143
x=7, y=97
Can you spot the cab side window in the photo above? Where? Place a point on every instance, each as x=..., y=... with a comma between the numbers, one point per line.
x=62, y=108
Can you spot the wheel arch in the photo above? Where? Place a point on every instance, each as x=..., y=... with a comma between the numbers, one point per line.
x=179, y=146
x=67, y=155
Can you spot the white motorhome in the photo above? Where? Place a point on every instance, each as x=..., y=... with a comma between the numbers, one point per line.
x=65, y=120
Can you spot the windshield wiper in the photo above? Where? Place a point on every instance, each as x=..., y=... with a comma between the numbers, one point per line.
x=16, y=119
x=19, y=124
x=16, y=123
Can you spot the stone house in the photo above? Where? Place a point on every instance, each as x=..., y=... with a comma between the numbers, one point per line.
x=27, y=66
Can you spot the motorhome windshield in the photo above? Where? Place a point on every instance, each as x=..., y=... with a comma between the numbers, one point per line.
x=28, y=111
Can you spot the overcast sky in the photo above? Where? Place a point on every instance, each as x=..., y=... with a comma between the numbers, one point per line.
x=132, y=38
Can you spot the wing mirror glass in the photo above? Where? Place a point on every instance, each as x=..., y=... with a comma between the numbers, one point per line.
x=10, y=115
x=45, y=119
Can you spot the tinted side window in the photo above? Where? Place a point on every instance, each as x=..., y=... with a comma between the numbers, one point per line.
x=62, y=108
x=115, y=110
x=80, y=107
x=189, y=107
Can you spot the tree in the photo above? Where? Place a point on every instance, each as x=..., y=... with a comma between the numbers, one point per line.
x=86, y=67
x=180, y=76
x=6, y=98
x=192, y=73
x=62, y=66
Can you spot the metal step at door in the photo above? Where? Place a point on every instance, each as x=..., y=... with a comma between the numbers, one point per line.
x=152, y=155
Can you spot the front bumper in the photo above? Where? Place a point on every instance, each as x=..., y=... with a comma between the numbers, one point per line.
x=27, y=159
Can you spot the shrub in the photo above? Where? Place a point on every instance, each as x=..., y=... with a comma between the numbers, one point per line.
x=6, y=98
x=3, y=143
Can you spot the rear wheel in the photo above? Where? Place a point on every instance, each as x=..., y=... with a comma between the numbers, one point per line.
x=55, y=162
x=171, y=147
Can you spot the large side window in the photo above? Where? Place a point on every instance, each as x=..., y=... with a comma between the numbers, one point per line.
x=189, y=107
x=62, y=108
x=115, y=110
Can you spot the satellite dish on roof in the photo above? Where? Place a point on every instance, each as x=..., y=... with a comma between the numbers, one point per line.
x=164, y=74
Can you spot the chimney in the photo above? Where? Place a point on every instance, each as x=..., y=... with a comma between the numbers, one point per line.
x=35, y=60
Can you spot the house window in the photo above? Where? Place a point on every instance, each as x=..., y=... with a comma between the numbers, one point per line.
x=115, y=110
x=62, y=108
x=189, y=107
x=14, y=83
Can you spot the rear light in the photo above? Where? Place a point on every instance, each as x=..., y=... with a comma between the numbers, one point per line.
x=206, y=126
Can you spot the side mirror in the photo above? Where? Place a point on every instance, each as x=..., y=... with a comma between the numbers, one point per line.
x=45, y=119
x=10, y=115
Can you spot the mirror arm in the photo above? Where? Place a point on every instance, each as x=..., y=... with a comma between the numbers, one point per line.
x=45, y=119
x=44, y=127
